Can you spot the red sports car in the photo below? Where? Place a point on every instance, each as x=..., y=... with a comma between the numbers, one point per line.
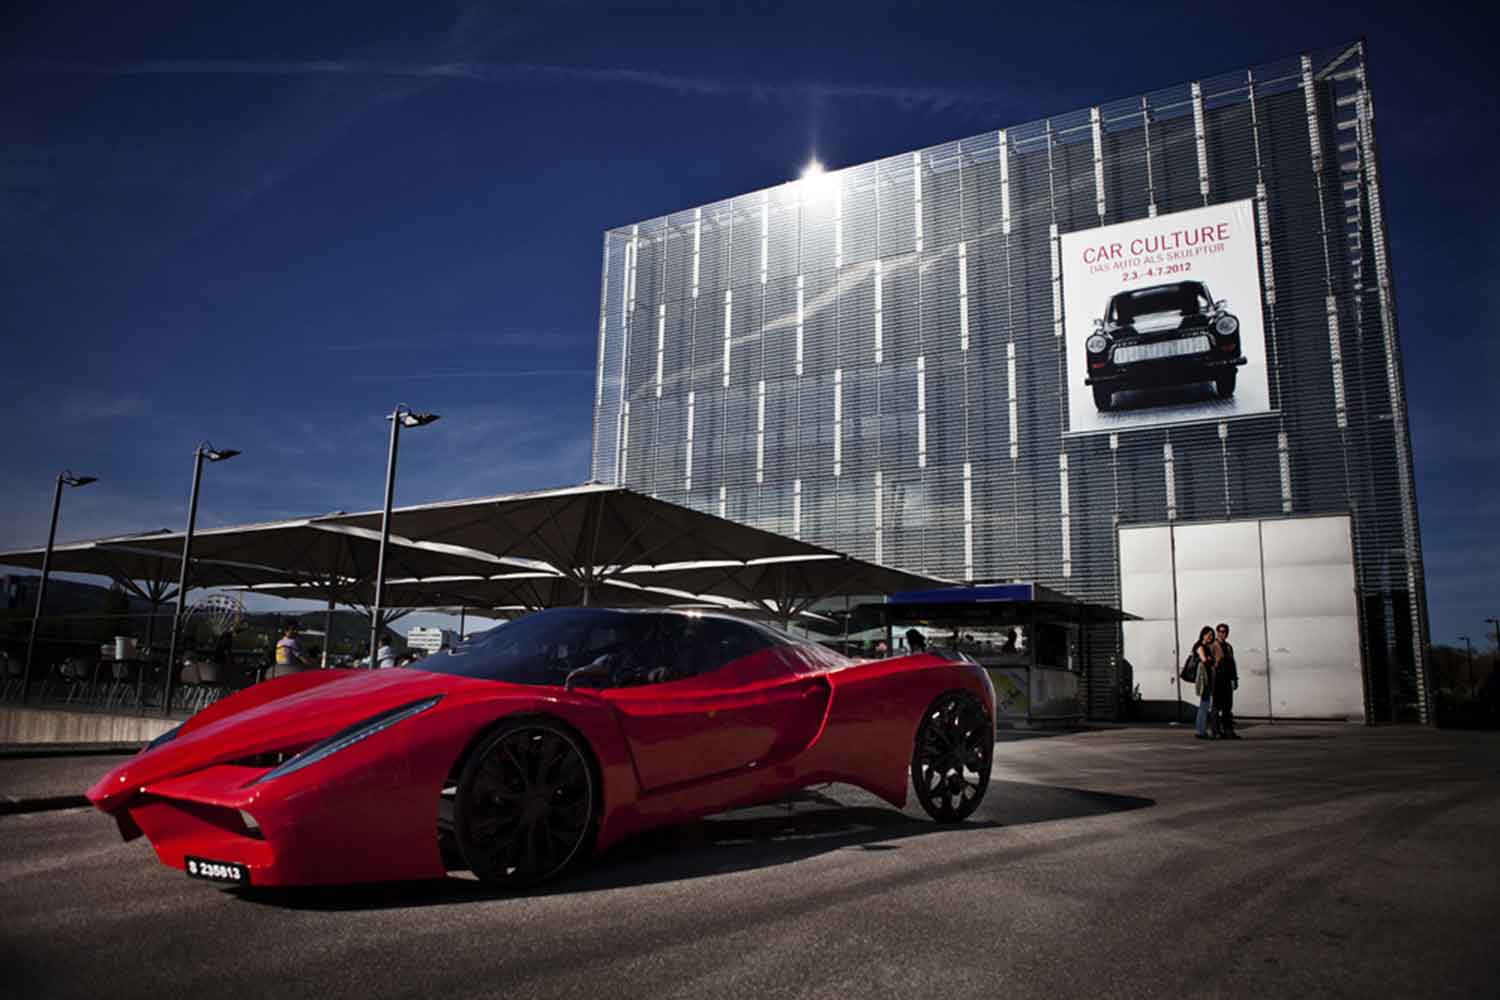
x=540, y=742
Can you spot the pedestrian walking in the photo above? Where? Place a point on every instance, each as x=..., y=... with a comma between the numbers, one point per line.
x=1226, y=679
x=1205, y=653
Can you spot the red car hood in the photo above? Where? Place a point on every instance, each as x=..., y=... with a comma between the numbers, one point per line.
x=286, y=714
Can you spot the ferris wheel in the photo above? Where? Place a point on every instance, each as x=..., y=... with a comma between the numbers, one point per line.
x=220, y=612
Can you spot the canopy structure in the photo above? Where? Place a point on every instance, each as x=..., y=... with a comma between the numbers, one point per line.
x=304, y=549
x=323, y=550
x=511, y=593
x=786, y=587
x=589, y=532
x=579, y=545
x=300, y=550
x=596, y=533
x=142, y=565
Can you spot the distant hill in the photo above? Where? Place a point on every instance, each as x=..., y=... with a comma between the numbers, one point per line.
x=79, y=616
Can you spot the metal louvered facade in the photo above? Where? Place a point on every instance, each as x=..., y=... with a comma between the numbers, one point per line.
x=871, y=359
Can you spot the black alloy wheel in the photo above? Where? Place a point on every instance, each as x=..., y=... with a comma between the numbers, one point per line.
x=1104, y=397
x=527, y=804
x=1224, y=384
x=950, y=764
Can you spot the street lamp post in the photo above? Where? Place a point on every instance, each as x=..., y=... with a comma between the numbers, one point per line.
x=208, y=451
x=1469, y=671
x=65, y=478
x=401, y=416
x=1495, y=622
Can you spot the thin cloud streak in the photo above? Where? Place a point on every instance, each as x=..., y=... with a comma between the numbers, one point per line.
x=515, y=373
x=488, y=72
x=89, y=407
x=542, y=341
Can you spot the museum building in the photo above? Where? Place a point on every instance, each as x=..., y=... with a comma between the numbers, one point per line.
x=1144, y=354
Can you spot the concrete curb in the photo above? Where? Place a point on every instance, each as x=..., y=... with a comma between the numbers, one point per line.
x=42, y=803
x=13, y=751
x=20, y=724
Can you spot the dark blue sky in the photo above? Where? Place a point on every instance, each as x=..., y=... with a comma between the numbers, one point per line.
x=265, y=227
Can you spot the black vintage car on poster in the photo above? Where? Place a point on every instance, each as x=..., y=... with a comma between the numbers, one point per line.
x=1164, y=335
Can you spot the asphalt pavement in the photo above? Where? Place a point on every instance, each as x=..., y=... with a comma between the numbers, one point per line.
x=1302, y=860
x=31, y=780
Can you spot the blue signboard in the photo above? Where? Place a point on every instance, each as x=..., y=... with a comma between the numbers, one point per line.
x=966, y=595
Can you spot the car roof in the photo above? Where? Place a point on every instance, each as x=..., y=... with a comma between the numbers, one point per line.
x=1130, y=292
x=777, y=633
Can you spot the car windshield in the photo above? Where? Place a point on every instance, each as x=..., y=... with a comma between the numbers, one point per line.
x=1185, y=299
x=641, y=647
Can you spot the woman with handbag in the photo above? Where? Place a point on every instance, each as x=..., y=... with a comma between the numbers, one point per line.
x=1206, y=655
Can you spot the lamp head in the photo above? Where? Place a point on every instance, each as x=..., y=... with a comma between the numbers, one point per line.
x=71, y=480
x=218, y=454
x=410, y=418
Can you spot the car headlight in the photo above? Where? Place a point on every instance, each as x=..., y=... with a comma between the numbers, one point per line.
x=347, y=737
x=1226, y=326
x=1096, y=344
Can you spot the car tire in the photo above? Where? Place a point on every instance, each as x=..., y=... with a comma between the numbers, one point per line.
x=1104, y=397
x=951, y=757
x=1224, y=384
x=527, y=804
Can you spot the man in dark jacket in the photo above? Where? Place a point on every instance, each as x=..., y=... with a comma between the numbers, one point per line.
x=1226, y=679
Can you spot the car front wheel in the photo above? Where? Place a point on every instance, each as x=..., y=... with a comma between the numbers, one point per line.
x=1224, y=384
x=950, y=763
x=527, y=803
x=1104, y=397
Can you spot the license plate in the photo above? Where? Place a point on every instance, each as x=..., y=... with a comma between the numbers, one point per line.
x=217, y=871
x=1132, y=353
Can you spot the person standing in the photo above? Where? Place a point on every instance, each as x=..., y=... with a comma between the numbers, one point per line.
x=916, y=642
x=385, y=656
x=1226, y=679
x=289, y=658
x=223, y=653
x=1206, y=650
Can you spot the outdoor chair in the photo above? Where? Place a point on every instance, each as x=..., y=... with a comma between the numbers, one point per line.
x=51, y=679
x=123, y=686
x=203, y=683
x=15, y=671
x=79, y=674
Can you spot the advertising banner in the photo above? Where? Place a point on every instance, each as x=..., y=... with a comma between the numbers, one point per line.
x=1163, y=320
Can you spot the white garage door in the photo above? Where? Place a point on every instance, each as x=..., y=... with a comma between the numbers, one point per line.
x=1286, y=589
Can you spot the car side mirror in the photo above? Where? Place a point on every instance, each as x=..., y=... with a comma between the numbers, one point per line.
x=1219, y=305
x=1098, y=324
x=601, y=667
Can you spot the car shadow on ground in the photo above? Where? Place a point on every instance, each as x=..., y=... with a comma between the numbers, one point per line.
x=1016, y=734
x=1169, y=395
x=810, y=823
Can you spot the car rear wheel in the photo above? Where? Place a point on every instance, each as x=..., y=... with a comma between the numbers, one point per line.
x=1104, y=397
x=1224, y=384
x=527, y=803
x=950, y=763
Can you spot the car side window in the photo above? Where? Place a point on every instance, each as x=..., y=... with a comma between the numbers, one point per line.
x=701, y=645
